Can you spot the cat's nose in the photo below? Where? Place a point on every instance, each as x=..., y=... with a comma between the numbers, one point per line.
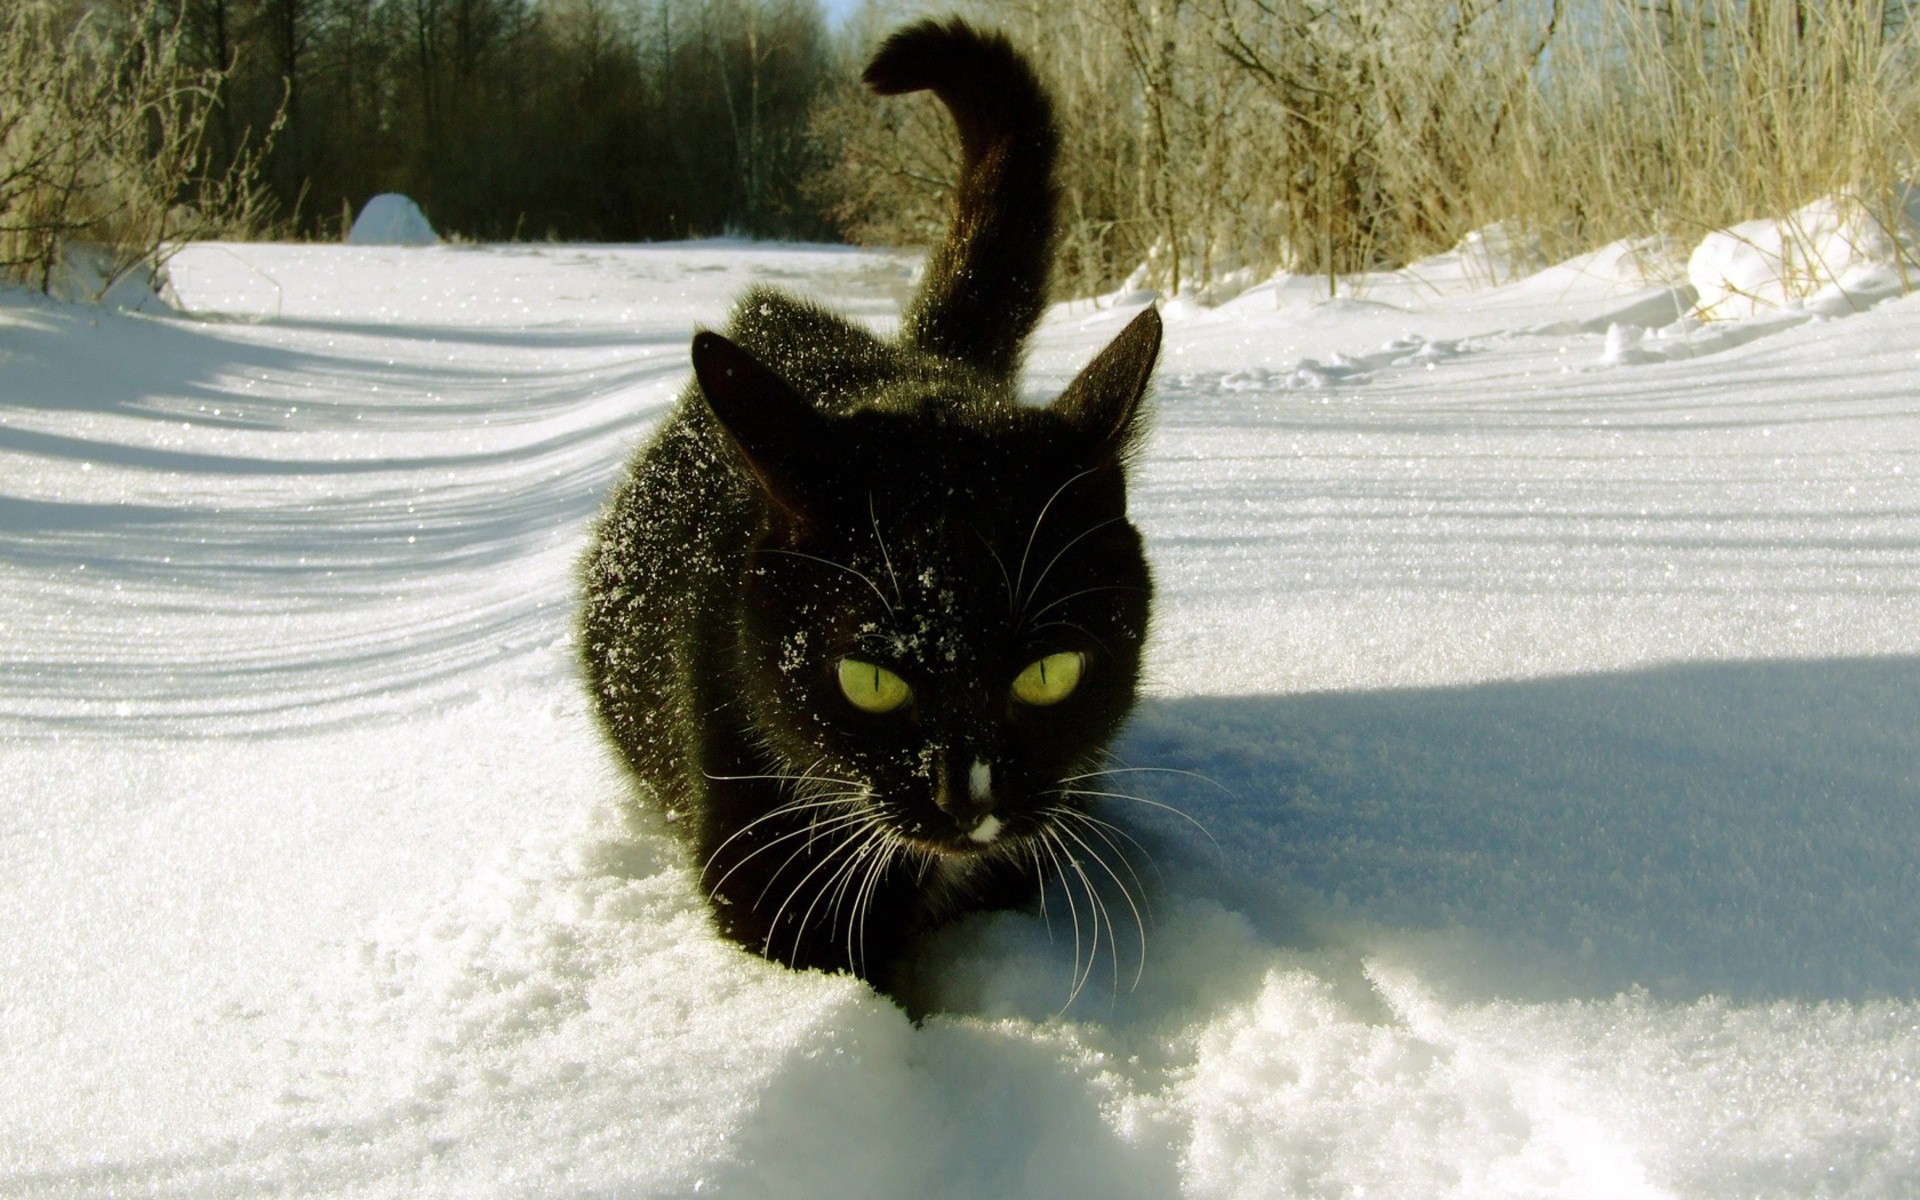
x=969, y=799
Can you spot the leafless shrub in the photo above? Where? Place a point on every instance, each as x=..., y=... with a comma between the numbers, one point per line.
x=102, y=130
x=885, y=171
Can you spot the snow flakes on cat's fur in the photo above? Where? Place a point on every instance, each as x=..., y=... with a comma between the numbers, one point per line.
x=837, y=533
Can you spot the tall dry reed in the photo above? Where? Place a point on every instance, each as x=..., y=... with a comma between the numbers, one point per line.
x=1209, y=137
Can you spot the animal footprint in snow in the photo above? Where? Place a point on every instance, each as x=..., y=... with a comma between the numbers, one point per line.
x=1410, y=351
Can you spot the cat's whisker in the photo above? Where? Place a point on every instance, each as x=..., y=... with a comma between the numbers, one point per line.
x=807, y=791
x=891, y=847
x=1126, y=768
x=1096, y=527
x=839, y=903
x=818, y=827
x=863, y=901
x=1096, y=911
x=1206, y=779
x=1105, y=831
x=773, y=926
x=1040, y=876
x=813, y=824
x=846, y=830
x=860, y=575
x=1050, y=605
x=1090, y=634
x=1161, y=804
x=1073, y=917
x=1097, y=908
x=1139, y=922
x=786, y=862
x=1033, y=533
x=811, y=832
x=838, y=881
x=787, y=777
x=874, y=520
x=816, y=789
x=845, y=880
x=1013, y=603
x=798, y=805
x=1049, y=843
x=812, y=794
x=841, y=873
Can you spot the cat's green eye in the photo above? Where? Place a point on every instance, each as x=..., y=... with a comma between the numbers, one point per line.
x=872, y=688
x=1050, y=680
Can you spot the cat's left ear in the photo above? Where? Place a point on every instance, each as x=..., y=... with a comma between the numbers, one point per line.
x=776, y=430
x=1104, y=399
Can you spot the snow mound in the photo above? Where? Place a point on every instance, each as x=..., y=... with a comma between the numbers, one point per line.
x=88, y=273
x=1835, y=256
x=391, y=219
x=1499, y=253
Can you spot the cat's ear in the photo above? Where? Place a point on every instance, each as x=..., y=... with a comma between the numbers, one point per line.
x=776, y=430
x=1104, y=399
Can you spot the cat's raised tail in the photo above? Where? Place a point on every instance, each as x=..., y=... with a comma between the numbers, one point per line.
x=986, y=284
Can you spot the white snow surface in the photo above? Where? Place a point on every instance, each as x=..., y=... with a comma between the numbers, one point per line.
x=391, y=219
x=1833, y=256
x=1552, y=659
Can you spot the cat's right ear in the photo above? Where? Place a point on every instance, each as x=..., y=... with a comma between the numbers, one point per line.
x=1104, y=400
x=776, y=430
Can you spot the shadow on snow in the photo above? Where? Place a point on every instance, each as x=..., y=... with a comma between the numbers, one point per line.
x=1745, y=829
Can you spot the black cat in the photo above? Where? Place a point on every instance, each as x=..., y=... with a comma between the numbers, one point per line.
x=860, y=620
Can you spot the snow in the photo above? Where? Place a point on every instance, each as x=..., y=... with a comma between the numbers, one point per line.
x=88, y=273
x=1834, y=256
x=1551, y=654
x=391, y=219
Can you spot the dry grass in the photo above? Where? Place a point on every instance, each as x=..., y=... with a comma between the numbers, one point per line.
x=102, y=128
x=1684, y=119
x=1326, y=136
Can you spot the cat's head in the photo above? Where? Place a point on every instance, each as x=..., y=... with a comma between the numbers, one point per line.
x=945, y=612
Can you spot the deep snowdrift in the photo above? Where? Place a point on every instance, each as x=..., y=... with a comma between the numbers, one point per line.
x=1554, y=662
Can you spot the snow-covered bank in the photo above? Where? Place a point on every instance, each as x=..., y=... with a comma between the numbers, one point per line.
x=1557, y=686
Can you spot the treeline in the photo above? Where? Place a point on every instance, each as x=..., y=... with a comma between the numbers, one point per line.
x=131, y=125
x=1206, y=141
x=573, y=119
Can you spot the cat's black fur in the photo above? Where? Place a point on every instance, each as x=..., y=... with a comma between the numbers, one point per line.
x=820, y=493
